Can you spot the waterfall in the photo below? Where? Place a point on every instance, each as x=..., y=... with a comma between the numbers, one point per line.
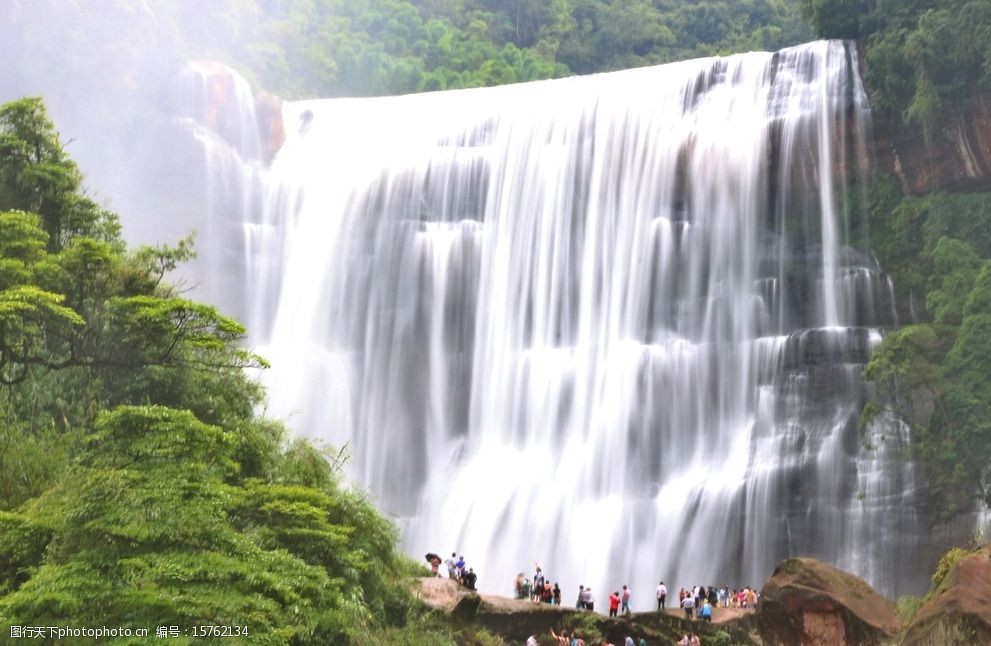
x=613, y=324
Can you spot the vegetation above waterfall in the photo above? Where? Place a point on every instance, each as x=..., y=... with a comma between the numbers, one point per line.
x=394, y=46
x=322, y=48
x=921, y=57
x=138, y=487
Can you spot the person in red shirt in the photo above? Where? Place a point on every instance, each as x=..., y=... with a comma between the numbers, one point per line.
x=614, y=604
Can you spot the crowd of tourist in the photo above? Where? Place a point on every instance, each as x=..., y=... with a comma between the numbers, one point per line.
x=698, y=602
x=577, y=639
x=456, y=569
x=539, y=590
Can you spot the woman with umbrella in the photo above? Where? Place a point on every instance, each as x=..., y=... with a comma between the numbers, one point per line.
x=434, y=562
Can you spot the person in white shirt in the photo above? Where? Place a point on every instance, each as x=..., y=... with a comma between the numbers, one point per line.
x=662, y=595
x=588, y=599
x=689, y=605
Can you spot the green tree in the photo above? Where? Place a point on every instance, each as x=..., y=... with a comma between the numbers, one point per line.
x=140, y=534
x=836, y=18
x=37, y=176
x=933, y=374
x=955, y=265
x=922, y=56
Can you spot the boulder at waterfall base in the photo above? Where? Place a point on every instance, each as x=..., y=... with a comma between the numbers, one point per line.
x=958, y=610
x=809, y=603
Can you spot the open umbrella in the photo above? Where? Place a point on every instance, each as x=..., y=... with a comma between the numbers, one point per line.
x=431, y=557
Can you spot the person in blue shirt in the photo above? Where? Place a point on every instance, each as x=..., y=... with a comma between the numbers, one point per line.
x=707, y=611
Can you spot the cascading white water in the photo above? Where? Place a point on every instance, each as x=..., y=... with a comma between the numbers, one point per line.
x=611, y=324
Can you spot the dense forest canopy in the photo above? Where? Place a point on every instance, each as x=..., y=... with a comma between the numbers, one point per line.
x=922, y=56
x=324, y=48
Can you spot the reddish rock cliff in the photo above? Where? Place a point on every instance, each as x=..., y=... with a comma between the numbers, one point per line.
x=268, y=110
x=218, y=98
x=957, y=156
x=958, y=611
x=809, y=603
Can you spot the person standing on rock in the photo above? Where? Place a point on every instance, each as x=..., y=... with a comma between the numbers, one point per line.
x=538, y=585
x=689, y=605
x=557, y=595
x=470, y=578
x=751, y=598
x=589, y=600
x=614, y=604
x=662, y=596
x=706, y=611
x=580, y=604
x=451, y=571
x=626, y=601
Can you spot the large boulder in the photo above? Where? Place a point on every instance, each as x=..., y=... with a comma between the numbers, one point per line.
x=958, y=611
x=809, y=603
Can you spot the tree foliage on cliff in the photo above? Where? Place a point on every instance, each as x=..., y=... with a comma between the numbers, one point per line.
x=933, y=374
x=922, y=56
x=138, y=487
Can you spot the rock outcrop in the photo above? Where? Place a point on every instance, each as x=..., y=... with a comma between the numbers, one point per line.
x=510, y=618
x=809, y=603
x=515, y=620
x=956, y=156
x=220, y=99
x=271, y=128
x=958, y=611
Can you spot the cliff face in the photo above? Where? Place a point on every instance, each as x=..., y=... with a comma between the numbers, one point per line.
x=957, y=156
x=217, y=97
